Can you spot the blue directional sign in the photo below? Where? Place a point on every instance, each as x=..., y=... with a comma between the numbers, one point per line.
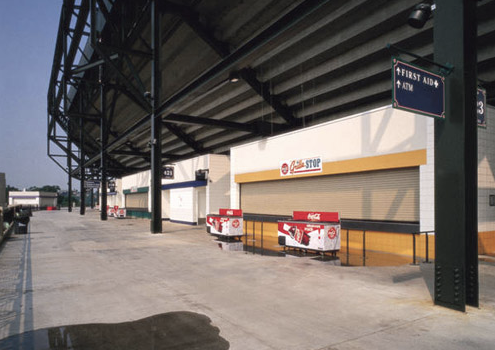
x=91, y=184
x=481, y=107
x=417, y=90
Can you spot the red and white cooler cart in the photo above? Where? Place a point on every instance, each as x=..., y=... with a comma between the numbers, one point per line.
x=319, y=231
x=227, y=223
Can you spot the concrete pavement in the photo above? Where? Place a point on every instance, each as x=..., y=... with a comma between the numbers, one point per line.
x=73, y=275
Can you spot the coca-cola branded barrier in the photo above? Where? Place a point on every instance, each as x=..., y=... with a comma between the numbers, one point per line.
x=316, y=216
x=116, y=212
x=228, y=222
x=230, y=212
x=318, y=231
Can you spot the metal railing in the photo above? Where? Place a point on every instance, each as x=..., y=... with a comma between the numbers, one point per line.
x=427, y=246
x=7, y=222
x=250, y=233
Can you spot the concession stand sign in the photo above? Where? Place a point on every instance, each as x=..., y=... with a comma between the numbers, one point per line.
x=301, y=166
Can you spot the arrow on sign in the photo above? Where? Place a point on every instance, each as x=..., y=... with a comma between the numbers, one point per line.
x=417, y=90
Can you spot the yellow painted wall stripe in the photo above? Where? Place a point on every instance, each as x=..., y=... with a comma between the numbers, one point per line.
x=389, y=161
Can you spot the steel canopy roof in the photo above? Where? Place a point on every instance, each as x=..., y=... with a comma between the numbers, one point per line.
x=298, y=63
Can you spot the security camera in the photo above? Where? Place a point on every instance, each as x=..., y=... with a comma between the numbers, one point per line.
x=420, y=14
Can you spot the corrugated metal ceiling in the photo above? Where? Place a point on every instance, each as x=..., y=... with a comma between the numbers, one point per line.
x=306, y=68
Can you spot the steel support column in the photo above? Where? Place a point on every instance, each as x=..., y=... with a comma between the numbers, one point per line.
x=65, y=77
x=103, y=154
x=156, y=124
x=82, y=207
x=69, y=166
x=456, y=255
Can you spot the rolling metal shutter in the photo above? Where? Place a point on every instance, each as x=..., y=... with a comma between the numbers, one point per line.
x=376, y=195
x=136, y=200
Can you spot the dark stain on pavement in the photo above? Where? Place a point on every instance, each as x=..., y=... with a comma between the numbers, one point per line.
x=173, y=330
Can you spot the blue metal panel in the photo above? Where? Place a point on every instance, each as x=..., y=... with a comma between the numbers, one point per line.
x=418, y=90
x=184, y=184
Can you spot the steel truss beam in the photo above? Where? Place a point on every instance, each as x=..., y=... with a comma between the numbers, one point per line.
x=177, y=131
x=74, y=45
x=192, y=19
x=92, y=65
x=131, y=153
x=222, y=49
x=263, y=89
x=253, y=128
x=137, y=94
x=64, y=58
x=280, y=26
x=84, y=116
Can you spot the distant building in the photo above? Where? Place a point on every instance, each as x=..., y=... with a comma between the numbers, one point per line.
x=3, y=201
x=33, y=198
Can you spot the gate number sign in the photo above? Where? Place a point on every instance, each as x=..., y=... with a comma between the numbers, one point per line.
x=481, y=107
x=168, y=172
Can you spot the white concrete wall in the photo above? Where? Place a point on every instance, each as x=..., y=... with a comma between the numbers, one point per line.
x=201, y=203
x=23, y=201
x=427, y=181
x=41, y=199
x=112, y=200
x=166, y=204
x=486, y=178
x=183, y=205
x=186, y=170
x=218, y=189
x=177, y=204
x=486, y=173
x=377, y=132
x=216, y=195
x=24, y=197
x=235, y=188
x=118, y=188
x=141, y=179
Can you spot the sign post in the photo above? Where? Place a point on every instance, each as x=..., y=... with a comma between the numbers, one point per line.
x=417, y=90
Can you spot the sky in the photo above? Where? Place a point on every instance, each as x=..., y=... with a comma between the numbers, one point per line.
x=28, y=31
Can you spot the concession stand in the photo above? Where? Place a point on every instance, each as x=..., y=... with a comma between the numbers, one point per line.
x=318, y=231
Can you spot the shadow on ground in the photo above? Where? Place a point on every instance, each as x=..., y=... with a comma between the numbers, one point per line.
x=174, y=330
x=425, y=272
